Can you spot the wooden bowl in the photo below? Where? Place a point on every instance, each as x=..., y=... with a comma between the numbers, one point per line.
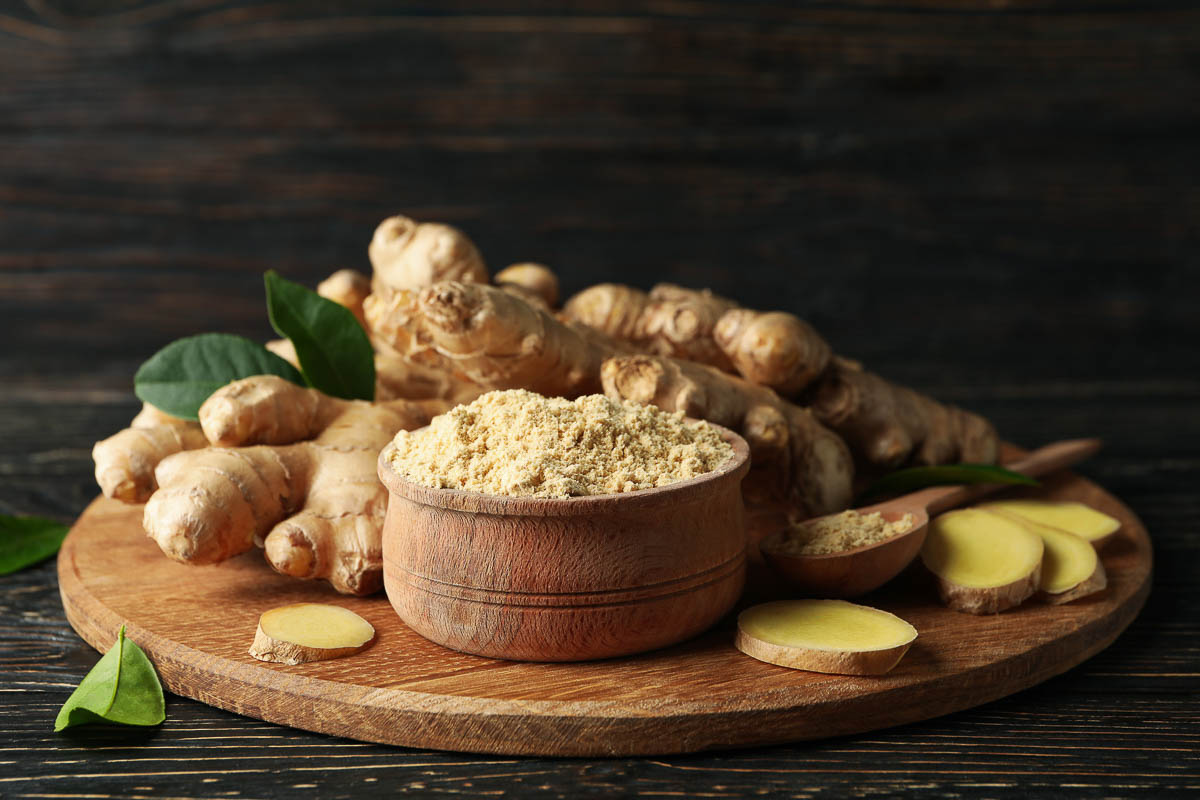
x=542, y=579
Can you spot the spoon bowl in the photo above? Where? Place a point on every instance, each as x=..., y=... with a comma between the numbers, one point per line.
x=850, y=572
x=862, y=569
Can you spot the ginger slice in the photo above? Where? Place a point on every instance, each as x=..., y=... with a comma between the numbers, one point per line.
x=1068, y=515
x=984, y=563
x=831, y=636
x=305, y=632
x=1070, y=567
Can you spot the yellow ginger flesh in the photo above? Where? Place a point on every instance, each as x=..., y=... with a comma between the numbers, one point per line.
x=1068, y=560
x=1079, y=519
x=317, y=625
x=975, y=549
x=826, y=625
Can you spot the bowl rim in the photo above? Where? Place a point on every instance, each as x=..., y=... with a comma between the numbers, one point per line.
x=735, y=467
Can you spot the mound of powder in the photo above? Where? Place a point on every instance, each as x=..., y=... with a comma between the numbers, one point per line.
x=518, y=443
x=841, y=532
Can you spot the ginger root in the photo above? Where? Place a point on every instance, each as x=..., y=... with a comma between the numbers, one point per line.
x=489, y=337
x=409, y=255
x=306, y=490
x=794, y=459
x=398, y=378
x=534, y=280
x=305, y=632
x=887, y=425
x=984, y=563
x=773, y=349
x=349, y=288
x=831, y=636
x=126, y=460
x=668, y=321
x=611, y=308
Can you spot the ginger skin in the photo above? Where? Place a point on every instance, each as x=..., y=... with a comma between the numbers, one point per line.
x=611, y=308
x=409, y=255
x=885, y=425
x=489, y=337
x=126, y=460
x=668, y=321
x=349, y=288
x=794, y=459
x=888, y=425
x=398, y=378
x=533, y=280
x=316, y=506
x=773, y=349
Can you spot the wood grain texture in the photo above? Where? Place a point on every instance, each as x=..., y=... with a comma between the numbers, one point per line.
x=195, y=623
x=993, y=202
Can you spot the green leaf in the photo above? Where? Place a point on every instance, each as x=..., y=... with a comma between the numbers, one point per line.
x=903, y=481
x=333, y=349
x=25, y=541
x=181, y=376
x=122, y=688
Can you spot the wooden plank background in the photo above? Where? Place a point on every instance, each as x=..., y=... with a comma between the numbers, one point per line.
x=998, y=202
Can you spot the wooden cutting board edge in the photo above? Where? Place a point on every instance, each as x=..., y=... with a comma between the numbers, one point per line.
x=524, y=727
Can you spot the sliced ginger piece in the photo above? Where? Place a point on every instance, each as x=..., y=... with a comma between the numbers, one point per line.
x=984, y=562
x=1070, y=567
x=831, y=636
x=305, y=632
x=1068, y=515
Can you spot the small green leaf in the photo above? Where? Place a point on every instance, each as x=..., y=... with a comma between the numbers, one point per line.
x=333, y=349
x=122, y=688
x=903, y=481
x=181, y=376
x=25, y=541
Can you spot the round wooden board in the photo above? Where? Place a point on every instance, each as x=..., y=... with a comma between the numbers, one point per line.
x=196, y=624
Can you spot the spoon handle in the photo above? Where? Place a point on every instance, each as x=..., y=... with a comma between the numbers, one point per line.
x=1042, y=461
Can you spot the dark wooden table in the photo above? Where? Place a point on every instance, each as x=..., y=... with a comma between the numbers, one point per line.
x=997, y=202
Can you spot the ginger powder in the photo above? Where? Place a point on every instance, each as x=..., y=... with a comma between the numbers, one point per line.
x=840, y=532
x=520, y=444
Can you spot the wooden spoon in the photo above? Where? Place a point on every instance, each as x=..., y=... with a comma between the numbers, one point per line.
x=861, y=569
